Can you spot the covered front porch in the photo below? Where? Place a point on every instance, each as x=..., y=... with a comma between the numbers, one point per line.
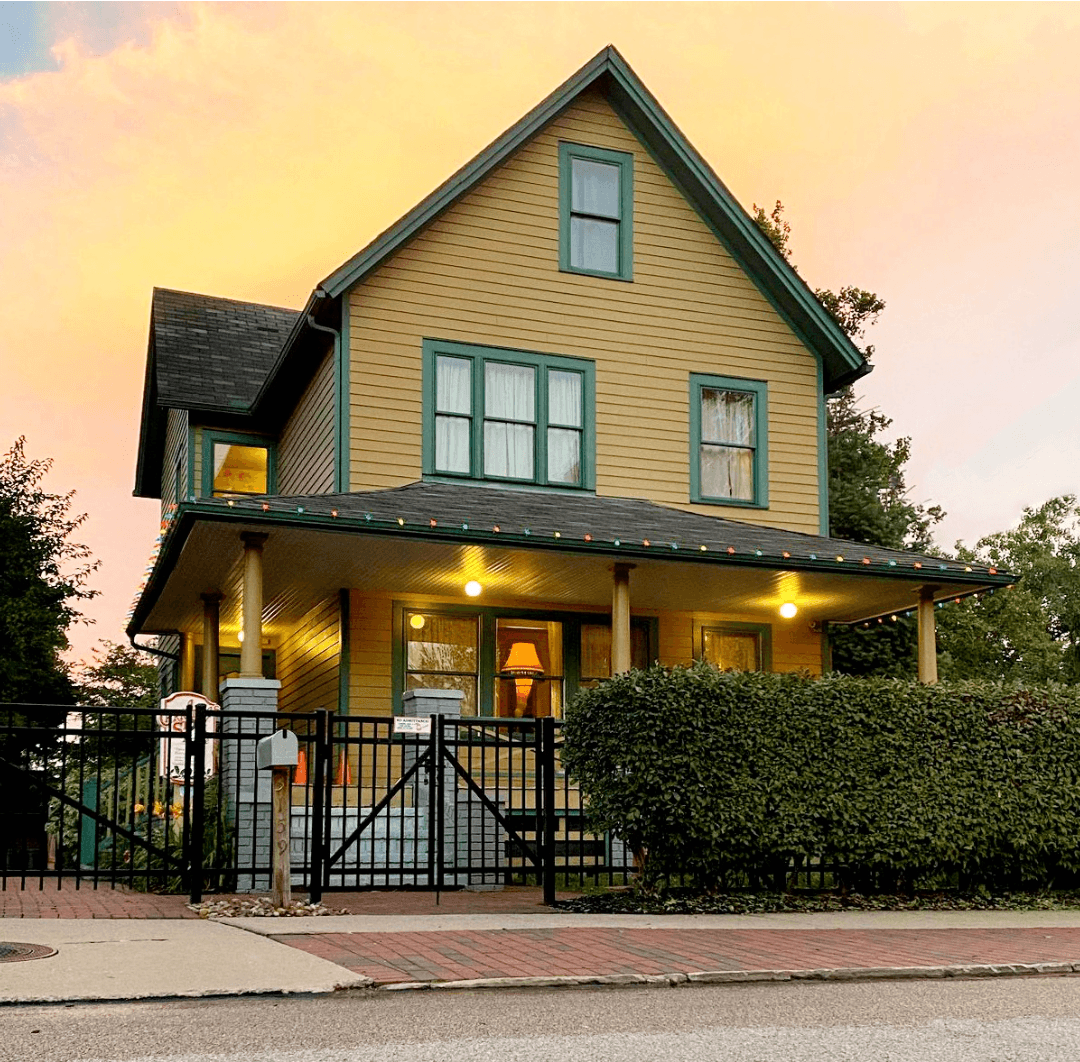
x=516, y=598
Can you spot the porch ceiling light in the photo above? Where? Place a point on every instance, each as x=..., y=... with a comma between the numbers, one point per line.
x=473, y=588
x=788, y=610
x=416, y=621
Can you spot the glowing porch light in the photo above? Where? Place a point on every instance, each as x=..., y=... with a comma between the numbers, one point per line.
x=473, y=588
x=416, y=621
x=788, y=610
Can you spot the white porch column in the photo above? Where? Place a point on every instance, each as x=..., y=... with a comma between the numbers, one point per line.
x=620, y=620
x=927, y=636
x=210, y=643
x=251, y=647
x=186, y=678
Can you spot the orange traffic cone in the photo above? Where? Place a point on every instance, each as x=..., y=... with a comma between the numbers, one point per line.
x=300, y=770
x=344, y=770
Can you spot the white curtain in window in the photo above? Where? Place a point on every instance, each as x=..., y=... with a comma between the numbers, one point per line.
x=509, y=396
x=727, y=417
x=453, y=395
x=727, y=473
x=453, y=385
x=564, y=398
x=594, y=245
x=595, y=188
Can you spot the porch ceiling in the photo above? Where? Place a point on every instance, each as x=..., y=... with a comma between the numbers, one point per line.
x=303, y=565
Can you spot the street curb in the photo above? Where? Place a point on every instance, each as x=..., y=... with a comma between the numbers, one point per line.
x=717, y=977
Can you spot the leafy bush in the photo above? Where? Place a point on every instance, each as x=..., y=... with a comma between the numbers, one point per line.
x=737, y=778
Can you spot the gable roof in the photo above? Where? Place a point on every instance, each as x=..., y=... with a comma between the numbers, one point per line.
x=241, y=358
x=213, y=353
x=609, y=73
x=206, y=353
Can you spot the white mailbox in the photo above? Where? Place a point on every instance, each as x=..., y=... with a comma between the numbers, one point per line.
x=280, y=749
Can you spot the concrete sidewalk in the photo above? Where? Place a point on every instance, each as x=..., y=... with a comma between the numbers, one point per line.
x=159, y=958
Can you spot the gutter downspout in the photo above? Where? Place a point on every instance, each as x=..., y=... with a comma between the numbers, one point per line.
x=148, y=649
x=340, y=377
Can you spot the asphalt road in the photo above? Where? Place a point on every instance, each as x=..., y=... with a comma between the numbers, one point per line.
x=1036, y=1020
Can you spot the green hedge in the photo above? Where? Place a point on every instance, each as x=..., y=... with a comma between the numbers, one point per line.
x=732, y=777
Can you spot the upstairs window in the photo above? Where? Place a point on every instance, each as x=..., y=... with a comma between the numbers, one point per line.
x=508, y=415
x=235, y=466
x=728, y=441
x=596, y=211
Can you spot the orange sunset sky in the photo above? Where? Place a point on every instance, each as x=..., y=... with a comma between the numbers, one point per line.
x=929, y=152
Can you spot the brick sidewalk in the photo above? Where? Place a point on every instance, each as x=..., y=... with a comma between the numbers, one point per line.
x=450, y=955
x=108, y=902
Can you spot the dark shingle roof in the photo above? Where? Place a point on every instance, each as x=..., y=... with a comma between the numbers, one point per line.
x=534, y=515
x=214, y=353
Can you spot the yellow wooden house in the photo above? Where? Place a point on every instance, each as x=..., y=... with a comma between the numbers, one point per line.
x=564, y=417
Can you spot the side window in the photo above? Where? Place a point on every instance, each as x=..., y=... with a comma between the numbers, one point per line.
x=510, y=416
x=596, y=211
x=729, y=441
x=737, y=646
x=235, y=465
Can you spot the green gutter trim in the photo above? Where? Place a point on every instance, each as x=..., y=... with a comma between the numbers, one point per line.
x=243, y=512
x=342, y=397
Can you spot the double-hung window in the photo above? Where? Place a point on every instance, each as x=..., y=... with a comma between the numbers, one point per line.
x=729, y=441
x=596, y=211
x=507, y=415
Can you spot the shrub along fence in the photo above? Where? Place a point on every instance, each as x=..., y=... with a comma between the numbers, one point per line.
x=776, y=781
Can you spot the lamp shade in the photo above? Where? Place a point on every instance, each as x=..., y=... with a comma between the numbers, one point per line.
x=523, y=660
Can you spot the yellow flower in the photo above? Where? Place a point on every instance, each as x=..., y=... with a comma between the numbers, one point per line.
x=140, y=808
x=176, y=810
x=159, y=808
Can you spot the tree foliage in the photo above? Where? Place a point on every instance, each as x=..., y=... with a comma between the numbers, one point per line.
x=43, y=577
x=120, y=677
x=1032, y=631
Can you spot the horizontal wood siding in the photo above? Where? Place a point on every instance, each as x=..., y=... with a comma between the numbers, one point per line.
x=176, y=439
x=487, y=272
x=371, y=654
x=305, y=452
x=307, y=661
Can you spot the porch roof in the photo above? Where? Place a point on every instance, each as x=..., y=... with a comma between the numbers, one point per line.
x=528, y=545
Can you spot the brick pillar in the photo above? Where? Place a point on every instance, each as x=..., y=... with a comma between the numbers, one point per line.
x=245, y=790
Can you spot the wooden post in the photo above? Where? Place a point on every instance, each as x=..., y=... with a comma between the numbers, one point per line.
x=187, y=664
x=251, y=646
x=927, y=636
x=210, y=646
x=281, y=818
x=620, y=620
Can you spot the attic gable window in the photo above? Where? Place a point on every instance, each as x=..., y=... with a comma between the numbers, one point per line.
x=729, y=441
x=507, y=415
x=596, y=211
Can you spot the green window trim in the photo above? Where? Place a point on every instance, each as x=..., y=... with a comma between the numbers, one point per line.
x=235, y=438
x=478, y=356
x=487, y=615
x=762, y=630
x=760, y=390
x=625, y=161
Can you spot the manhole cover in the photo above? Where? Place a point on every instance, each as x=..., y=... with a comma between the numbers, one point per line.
x=18, y=952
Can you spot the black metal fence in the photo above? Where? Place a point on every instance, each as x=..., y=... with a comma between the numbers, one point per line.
x=173, y=801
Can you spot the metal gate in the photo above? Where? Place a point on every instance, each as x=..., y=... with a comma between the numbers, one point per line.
x=115, y=795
